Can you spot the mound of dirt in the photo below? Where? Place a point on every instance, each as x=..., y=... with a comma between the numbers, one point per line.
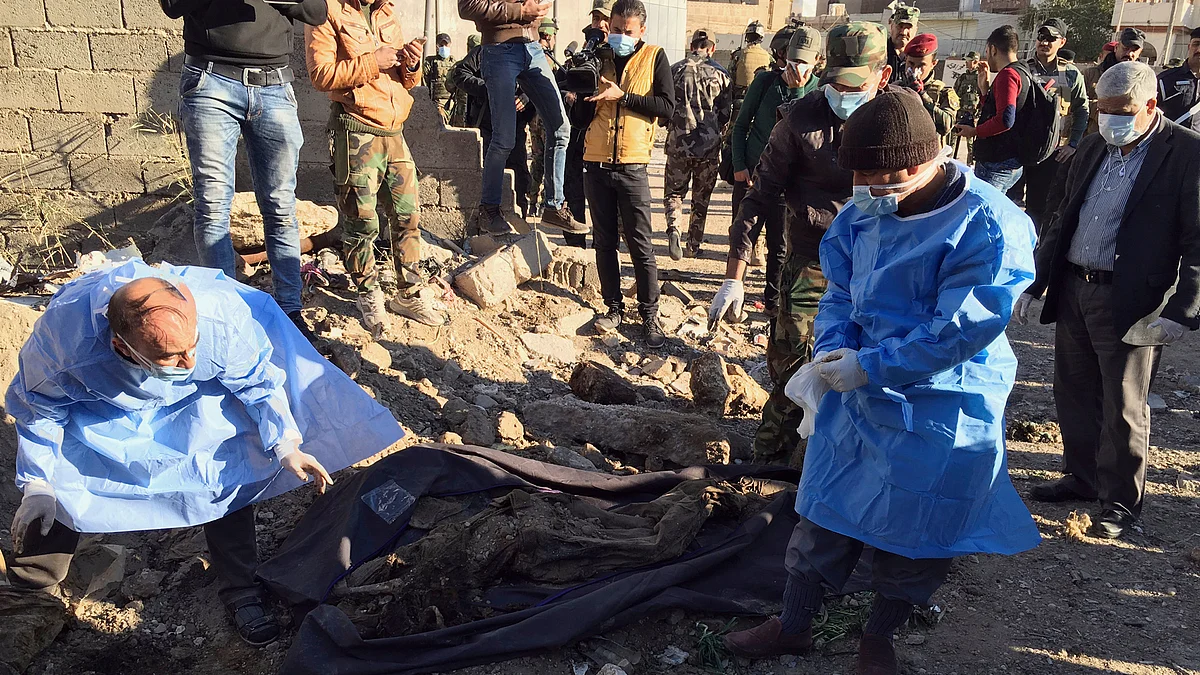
x=17, y=321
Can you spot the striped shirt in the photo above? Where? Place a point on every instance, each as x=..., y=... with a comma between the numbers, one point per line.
x=1094, y=245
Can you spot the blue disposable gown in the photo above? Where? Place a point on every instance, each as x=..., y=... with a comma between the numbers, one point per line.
x=914, y=461
x=125, y=451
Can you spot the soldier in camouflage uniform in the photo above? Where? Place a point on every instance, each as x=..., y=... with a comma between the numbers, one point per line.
x=800, y=163
x=966, y=85
x=435, y=71
x=547, y=34
x=746, y=61
x=693, y=148
x=939, y=100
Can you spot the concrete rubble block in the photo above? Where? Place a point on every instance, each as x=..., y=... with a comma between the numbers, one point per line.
x=575, y=269
x=98, y=569
x=471, y=422
x=571, y=324
x=674, y=290
x=496, y=276
x=246, y=223
x=626, y=430
x=660, y=369
x=509, y=427
x=710, y=384
x=128, y=51
x=28, y=89
x=46, y=49
x=89, y=91
x=67, y=132
x=597, y=383
x=84, y=14
x=483, y=244
x=747, y=394
x=376, y=355
x=553, y=347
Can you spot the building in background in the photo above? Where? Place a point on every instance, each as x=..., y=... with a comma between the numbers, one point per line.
x=1154, y=18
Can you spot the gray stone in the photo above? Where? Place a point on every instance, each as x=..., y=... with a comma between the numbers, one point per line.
x=376, y=355
x=710, y=382
x=597, y=383
x=1156, y=402
x=554, y=347
x=346, y=359
x=486, y=402
x=611, y=669
x=569, y=458
x=470, y=422
x=143, y=585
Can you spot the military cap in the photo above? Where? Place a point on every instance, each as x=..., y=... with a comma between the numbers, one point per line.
x=1055, y=28
x=473, y=40
x=1066, y=55
x=972, y=55
x=442, y=39
x=805, y=45
x=1132, y=37
x=1173, y=63
x=702, y=33
x=548, y=26
x=856, y=51
x=603, y=6
x=905, y=14
x=922, y=45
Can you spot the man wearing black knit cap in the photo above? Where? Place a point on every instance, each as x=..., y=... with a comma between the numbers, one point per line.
x=908, y=386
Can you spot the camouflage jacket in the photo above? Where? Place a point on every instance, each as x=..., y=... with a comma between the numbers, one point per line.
x=966, y=85
x=703, y=107
x=942, y=103
x=436, y=70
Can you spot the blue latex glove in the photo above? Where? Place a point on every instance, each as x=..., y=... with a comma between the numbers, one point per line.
x=841, y=370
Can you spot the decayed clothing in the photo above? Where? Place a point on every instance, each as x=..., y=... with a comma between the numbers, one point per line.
x=125, y=451
x=703, y=108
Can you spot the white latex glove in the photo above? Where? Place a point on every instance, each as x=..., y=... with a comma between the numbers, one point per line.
x=806, y=388
x=37, y=504
x=841, y=370
x=729, y=300
x=1021, y=310
x=1168, y=330
x=301, y=463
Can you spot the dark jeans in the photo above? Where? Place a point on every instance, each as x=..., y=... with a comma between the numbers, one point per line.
x=1101, y=389
x=820, y=556
x=518, y=157
x=772, y=220
x=44, y=562
x=573, y=185
x=619, y=198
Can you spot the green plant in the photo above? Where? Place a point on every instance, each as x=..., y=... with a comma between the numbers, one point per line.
x=840, y=619
x=711, y=654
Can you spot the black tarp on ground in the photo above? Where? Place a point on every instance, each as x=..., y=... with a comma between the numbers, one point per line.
x=728, y=570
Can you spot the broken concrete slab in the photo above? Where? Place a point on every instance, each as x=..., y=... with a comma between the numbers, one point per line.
x=575, y=269
x=571, y=323
x=496, y=276
x=747, y=394
x=660, y=369
x=679, y=438
x=483, y=244
x=246, y=222
x=554, y=347
x=674, y=290
x=376, y=355
x=710, y=384
x=597, y=383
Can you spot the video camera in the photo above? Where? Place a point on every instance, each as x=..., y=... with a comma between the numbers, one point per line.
x=583, y=65
x=966, y=117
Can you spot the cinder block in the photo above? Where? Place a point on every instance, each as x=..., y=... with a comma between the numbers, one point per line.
x=128, y=52
x=46, y=49
x=14, y=131
x=158, y=92
x=107, y=92
x=175, y=55
x=7, y=59
x=446, y=149
x=23, y=89
x=313, y=104
x=429, y=189
x=126, y=139
x=316, y=143
x=147, y=14
x=461, y=189
x=165, y=177
x=85, y=14
x=24, y=172
x=445, y=223
x=106, y=174
x=23, y=13
x=68, y=209
x=495, y=277
x=66, y=133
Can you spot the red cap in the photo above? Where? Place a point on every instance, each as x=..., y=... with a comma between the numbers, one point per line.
x=1110, y=47
x=921, y=45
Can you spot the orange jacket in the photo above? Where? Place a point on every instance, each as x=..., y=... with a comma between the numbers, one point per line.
x=341, y=62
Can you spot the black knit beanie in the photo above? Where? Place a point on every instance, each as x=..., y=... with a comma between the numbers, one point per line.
x=891, y=131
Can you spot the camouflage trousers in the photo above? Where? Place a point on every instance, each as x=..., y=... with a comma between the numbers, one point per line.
x=801, y=286
x=537, y=160
x=363, y=163
x=701, y=172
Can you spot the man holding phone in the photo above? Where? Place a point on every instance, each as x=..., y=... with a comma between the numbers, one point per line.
x=361, y=60
x=511, y=53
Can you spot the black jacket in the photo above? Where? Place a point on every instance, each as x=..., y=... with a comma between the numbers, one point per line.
x=1158, y=245
x=248, y=33
x=1178, y=91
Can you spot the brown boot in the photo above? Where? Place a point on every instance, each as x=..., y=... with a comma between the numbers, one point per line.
x=876, y=656
x=768, y=639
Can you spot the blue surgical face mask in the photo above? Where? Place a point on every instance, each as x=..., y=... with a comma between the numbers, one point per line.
x=883, y=205
x=444, y=52
x=159, y=371
x=622, y=45
x=845, y=103
x=1119, y=130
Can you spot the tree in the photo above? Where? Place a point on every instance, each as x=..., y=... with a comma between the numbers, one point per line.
x=1089, y=23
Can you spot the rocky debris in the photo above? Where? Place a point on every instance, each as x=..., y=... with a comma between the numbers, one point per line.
x=569, y=458
x=672, y=656
x=1028, y=431
x=597, y=383
x=554, y=347
x=1157, y=403
x=1187, y=481
x=674, y=290
x=659, y=435
x=470, y=422
x=914, y=639
x=611, y=669
x=509, y=427
x=31, y=620
x=488, y=282
x=575, y=269
x=143, y=585
x=451, y=438
x=748, y=395
x=570, y=324
x=483, y=244
x=376, y=355
x=99, y=569
x=346, y=359
x=246, y=222
x=710, y=383
x=486, y=402
x=597, y=458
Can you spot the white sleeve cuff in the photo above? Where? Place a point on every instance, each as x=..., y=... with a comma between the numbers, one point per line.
x=288, y=444
x=38, y=486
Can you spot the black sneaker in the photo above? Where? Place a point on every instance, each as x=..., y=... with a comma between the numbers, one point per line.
x=303, y=327
x=674, y=246
x=608, y=323
x=655, y=337
x=491, y=220
x=561, y=219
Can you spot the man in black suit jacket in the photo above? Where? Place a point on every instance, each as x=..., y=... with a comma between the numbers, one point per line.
x=1120, y=266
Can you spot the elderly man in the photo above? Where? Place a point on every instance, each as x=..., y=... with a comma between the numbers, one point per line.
x=157, y=398
x=1127, y=48
x=1120, y=266
x=907, y=456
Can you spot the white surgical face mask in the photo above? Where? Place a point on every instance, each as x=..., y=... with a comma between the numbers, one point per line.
x=444, y=52
x=1119, y=130
x=844, y=104
x=882, y=205
x=159, y=371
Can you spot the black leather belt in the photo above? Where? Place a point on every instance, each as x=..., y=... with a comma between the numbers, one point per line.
x=251, y=77
x=1092, y=276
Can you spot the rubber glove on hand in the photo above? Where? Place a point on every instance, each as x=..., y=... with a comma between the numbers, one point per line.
x=1021, y=310
x=38, y=504
x=1168, y=330
x=841, y=370
x=729, y=300
x=301, y=463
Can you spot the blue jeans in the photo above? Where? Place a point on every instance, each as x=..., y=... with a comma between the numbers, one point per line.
x=216, y=111
x=1000, y=175
x=503, y=66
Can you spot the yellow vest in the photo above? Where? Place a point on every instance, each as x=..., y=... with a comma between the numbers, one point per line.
x=618, y=136
x=753, y=59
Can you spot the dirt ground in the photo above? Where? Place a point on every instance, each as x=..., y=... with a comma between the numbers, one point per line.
x=1072, y=605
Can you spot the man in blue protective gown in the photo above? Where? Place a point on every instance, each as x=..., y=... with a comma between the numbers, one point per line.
x=907, y=455
x=152, y=398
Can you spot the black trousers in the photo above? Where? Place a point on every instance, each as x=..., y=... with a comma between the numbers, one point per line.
x=772, y=220
x=1044, y=186
x=573, y=189
x=518, y=159
x=821, y=556
x=44, y=562
x=618, y=195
